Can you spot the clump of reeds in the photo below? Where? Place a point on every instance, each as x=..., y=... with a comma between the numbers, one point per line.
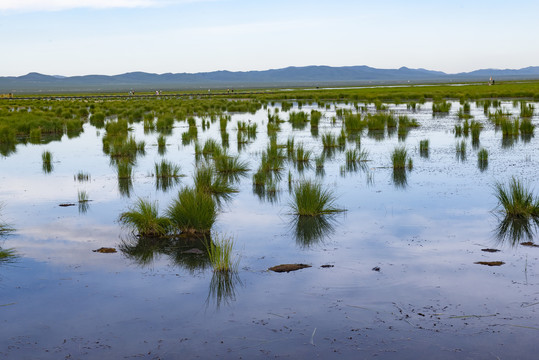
x=310, y=199
x=124, y=170
x=516, y=200
x=441, y=107
x=81, y=176
x=143, y=218
x=424, y=148
x=83, y=196
x=355, y=157
x=526, y=127
x=46, y=157
x=482, y=159
x=226, y=164
x=460, y=148
x=4, y=227
x=220, y=254
x=207, y=180
x=526, y=110
x=399, y=157
x=193, y=211
x=166, y=169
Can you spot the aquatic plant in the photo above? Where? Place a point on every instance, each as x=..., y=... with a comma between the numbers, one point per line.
x=526, y=110
x=143, y=218
x=124, y=170
x=81, y=176
x=220, y=254
x=83, y=196
x=193, y=211
x=166, y=169
x=441, y=107
x=516, y=200
x=207, y=180
x=424, y=148
x=310, y=199
x=398, y=157
x=46, y=158
x=526, y=127
x=482, y=159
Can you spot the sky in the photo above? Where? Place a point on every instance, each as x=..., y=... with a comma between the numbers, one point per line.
x=109, y=37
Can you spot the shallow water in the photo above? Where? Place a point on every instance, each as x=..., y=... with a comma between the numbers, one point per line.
x=428, y=299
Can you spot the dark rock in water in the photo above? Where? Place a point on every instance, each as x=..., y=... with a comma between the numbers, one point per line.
x=66, y=204
x=490, y=263
x=529, y=243
x=193, y=251
x=376, y=268
x=327, y=266
x=288, y=267
x=105, y=250
x=490, y=250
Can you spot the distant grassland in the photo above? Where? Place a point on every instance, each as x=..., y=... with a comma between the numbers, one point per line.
x=43, y=118
x=527, y=89
x=469, y=91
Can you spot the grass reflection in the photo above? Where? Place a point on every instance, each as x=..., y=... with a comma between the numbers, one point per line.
x=312, y=230
x=222, y=289
x=187, y=252
x=514, y=231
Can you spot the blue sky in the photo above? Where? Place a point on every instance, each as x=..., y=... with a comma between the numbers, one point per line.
x=79, y=37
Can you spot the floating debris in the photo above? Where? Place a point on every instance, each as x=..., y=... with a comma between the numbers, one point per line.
x=376, y=268
x=490, y=250
x=66, y=204
x=327, y=266
x=193, y=251
x=490, y=263
x=288, y=267
x=105, y=250
x=529, y=243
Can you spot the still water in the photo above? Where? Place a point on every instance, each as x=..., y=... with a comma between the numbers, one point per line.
x=403, y=283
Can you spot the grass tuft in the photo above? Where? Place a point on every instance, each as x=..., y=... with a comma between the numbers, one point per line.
x=143, y=219
x=310, y=199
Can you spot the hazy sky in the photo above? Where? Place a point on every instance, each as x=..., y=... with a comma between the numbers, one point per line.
x=79, y=37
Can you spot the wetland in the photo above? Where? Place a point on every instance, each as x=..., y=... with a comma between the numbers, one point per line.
x=145, y=227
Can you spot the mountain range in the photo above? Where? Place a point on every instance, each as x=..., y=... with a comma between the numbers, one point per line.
x=285, y=77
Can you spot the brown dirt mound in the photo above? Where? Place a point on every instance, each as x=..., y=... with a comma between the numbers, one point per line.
x=490, y=263
x=105, y=250
x=288, y=267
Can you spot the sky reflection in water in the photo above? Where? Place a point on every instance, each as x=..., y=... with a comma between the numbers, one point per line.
x=424, y=228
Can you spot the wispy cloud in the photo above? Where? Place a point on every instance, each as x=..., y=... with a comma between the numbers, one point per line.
x=58, y=5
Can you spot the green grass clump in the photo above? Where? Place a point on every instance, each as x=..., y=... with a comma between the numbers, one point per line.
x=220, y=254
x=310, y=199
x=81, y=176
x=124, y=170
x=207, y=180
x=398, y=157
x=193, y=211
x=166, y=169
x=482, y=159
x=226, y=164
x=424, y=148
x=526, y=110
x=441, y=107
x=526, y=127
x=46, y=158
x=83, y=196
x=302, y=155
x=298, y=120
x=516, y=200
x=143, y=218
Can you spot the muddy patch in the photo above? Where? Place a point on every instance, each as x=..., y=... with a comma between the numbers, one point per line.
x=288, y=267
x=105, y=250
x=490, y=263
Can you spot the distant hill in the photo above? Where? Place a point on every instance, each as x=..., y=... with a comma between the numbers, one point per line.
x=290, y=76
